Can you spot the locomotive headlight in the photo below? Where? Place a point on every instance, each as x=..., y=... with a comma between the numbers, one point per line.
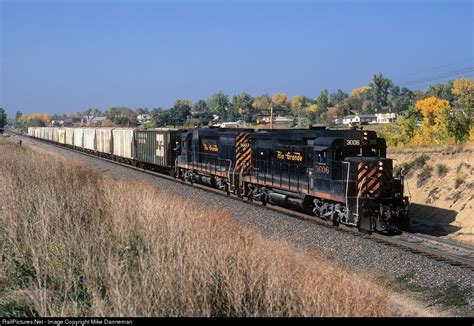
x=380, y=166
x=365, y=133
x=380, y=163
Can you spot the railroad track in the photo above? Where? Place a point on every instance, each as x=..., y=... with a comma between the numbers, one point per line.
x=446, y=251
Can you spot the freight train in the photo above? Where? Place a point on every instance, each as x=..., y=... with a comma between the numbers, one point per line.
x=342, y=176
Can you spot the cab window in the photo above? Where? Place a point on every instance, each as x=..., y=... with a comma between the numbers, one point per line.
x=321, y=157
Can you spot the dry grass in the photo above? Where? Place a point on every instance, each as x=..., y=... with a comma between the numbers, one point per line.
x=75, y=243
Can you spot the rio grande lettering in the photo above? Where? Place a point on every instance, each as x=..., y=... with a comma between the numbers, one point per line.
x=289, y=156
x=210, y=147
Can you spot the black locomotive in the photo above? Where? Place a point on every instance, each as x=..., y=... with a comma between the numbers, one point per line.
x=339, y=175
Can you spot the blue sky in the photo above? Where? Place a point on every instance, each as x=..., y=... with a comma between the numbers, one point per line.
x=59, y=56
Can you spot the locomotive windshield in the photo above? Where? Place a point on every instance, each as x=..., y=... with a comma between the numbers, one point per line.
x=363, y=151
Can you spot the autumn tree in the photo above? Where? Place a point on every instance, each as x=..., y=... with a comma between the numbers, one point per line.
x=312, y=112
x=360, y=91
x=408, y=124
x=463, y=90
x=434, y=128
x=262, y=104
x=280, y=103
x=35, y=120
x=298, y=105
x=298, y=102
x=280, y=99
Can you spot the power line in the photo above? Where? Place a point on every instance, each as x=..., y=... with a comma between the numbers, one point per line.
x=444, y=75
x=439, y=69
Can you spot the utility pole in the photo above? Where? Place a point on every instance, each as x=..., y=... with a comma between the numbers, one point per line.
x=271, y=117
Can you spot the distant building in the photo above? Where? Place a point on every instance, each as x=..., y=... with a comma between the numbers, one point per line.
x=283, y=120
x=89, y=120
x=68, y=122
x=279, y=120
x=57, y=123
x=359, y=119
x=143, y=118
x=338, y=121
x=386, y=116
x=96, y=121
x=236, y=124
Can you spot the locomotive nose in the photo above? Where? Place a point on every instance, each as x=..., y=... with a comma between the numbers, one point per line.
x=369, y=177
x=372, y=176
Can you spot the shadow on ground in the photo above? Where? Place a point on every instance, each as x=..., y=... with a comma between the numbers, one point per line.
x=432, y=220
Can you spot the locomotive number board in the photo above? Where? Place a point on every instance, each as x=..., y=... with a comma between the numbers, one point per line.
x=352, y=142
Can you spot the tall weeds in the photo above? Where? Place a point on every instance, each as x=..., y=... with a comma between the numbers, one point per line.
x=78, y=243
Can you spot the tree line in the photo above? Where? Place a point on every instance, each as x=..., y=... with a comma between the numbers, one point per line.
x=456, y=98
x=443, y=115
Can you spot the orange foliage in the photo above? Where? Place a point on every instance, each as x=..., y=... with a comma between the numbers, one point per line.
x=432, y=108
x=43, y=116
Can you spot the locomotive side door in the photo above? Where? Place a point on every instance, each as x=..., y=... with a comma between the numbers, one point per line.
x=322, y=168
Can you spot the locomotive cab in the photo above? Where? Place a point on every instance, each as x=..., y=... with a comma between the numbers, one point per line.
x=375, y=195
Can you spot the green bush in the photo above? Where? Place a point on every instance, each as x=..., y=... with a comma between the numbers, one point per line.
x=424, y=175
x=421, y=160
x=459, y=179
x=418, y=162
x=441, y=169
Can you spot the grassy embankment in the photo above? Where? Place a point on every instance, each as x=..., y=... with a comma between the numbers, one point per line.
x=440, y=180
x=75, y=242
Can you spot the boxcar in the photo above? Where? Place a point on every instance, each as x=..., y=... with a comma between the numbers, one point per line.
x=79, y=137
x=44, y=133
x=49, y=133
x=55, y=137
x=89, y=138
x=61, y=136
x=69, y=136
x=123, y=143
x=104, y=141
x=156, y=146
